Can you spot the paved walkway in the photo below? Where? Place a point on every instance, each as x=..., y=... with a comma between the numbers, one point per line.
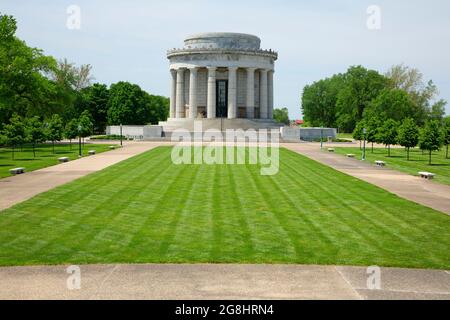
x=19, y=188
x=422, y=191
x=212, y=281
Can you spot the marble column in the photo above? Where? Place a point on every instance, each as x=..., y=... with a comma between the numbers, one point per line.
x=193, y=93
x=211, y=101
x=232, y=92
x=270, y=94
x=263, y=99
x=250, y=93
x=173, y=93
x=180, y=94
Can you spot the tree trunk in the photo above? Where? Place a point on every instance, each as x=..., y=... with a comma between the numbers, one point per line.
x=372, y=147
x=389, y=150
x=429, y=159
x=34, y=151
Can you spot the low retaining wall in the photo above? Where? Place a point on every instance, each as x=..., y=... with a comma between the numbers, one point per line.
x=136, y=132
x=307, y=134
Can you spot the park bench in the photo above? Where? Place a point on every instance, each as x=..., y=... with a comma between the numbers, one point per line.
x=112, y=147
x=17, y=170
x=380, y=163
x=63, y=159
x=91, y=152
x=426, y=175
x=350, y=155
x=330, y=149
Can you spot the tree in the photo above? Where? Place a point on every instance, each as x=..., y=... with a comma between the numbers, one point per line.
x=392, y=104
x=94, y=99
x=55, y=130
x=373, y=125
x=281, y=115
x=408, y=135
x=446, y=134
x=35, y=132
x=430, y=138
x=14, y=132
x=85, y=124
x=361, y=87
x=319, y=101
x=388, y=133
x=127, y=105
x=71, y=131
x=358, y=133
x=24, y=86
x=411, y=81
x=437, y=111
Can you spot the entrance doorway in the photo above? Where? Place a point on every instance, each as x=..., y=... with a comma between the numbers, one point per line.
x=222, y=98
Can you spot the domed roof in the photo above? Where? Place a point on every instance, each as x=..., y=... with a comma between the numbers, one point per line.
x=223, y=40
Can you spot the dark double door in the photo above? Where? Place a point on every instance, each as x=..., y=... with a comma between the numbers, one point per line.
x=221, y=98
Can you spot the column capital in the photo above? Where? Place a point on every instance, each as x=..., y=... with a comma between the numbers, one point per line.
x=173, y=71
x=211, y=68
x=264, y=70
x=233, y=68
x=251, y=69
x=195, y=69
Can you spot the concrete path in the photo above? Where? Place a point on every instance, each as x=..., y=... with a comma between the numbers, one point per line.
x=209, y=281
x=422, y=191
x=19, y=188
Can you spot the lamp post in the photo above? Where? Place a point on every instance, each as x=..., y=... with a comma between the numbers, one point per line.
x=79, y=139
x=321, y=138
x=121, y=135
x=364, y=144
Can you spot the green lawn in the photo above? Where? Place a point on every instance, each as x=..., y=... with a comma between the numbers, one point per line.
x=44, y=156
x=418, y=162
x=146, y=209
x=345, y=136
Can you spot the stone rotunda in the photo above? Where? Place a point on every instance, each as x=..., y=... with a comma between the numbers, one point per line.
x=221, y=76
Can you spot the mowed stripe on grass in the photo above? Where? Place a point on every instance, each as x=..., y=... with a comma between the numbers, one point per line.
x=146, y=209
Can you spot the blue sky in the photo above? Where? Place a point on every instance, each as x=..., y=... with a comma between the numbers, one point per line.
x=127, y=40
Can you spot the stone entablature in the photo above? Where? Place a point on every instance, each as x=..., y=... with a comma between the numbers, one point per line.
x=222, y=75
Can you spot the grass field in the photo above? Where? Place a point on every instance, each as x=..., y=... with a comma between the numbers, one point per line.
x=418, y=162
x=44, y=156
x=146, y=209
x=345, y=136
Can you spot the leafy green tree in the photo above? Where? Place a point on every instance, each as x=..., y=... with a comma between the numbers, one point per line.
x=446, y=134
x=388, y=133
x=373, y=126
x=71, y=131
x=55, y=130
x=319, y=101
x=358, y=133
x=158, y=106
x=408, y=135
x=95, y=100
x=85, y=124
x=392, y=104
x=438, y=111
x=411, y=81
x=35, y=132
x=361, y=87
x=430, y=138
x=24, y=86
x=127, y=104
x=14, y=132
x=281, y=115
